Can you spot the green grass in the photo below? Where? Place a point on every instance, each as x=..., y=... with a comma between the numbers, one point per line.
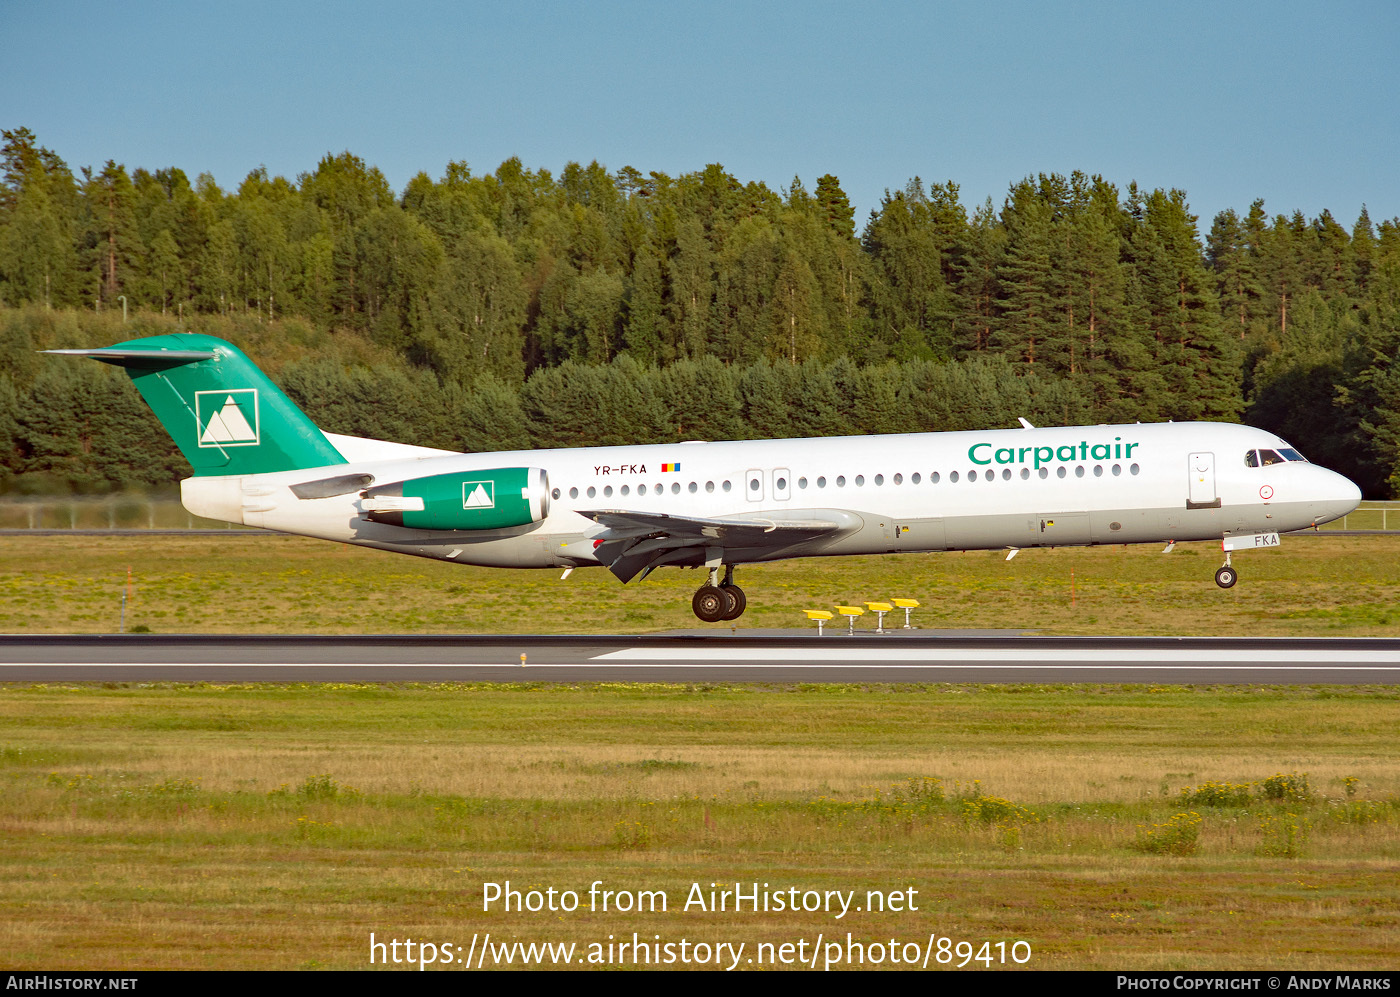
x=1314, y=586
x=263, y=826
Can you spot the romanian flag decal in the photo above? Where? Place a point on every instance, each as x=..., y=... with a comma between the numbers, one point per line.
x=670, y=467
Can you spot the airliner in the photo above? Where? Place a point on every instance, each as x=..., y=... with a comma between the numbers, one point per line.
x=258, y=460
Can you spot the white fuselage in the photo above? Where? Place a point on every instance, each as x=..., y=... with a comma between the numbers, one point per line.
x=929, y=491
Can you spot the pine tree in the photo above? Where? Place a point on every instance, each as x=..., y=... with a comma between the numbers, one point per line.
x=112, y=249
x=702, y=399
x=795, y=320
x=835, y=207
x=642, y=309
x=690, y=277
x=1024, y=327
x=487, y=416
x=483, y=304
x=1201, y=368
x=908, y=290
x=977, y=286
x=1232, y=260
x=766, y=401
x=166, y=275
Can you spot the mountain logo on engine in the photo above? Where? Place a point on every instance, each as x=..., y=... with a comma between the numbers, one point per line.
x=478, y=495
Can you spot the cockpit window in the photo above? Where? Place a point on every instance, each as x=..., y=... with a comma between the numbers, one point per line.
x=1291, y=454
x=1267, y=457
x=1251, y=458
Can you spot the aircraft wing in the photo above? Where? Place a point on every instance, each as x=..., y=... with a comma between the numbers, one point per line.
x=637, y=542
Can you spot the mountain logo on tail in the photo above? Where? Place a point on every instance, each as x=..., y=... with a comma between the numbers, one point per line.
x=478, y=495
x=227, y=418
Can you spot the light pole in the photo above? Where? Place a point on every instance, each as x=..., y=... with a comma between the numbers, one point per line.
x=122, y=297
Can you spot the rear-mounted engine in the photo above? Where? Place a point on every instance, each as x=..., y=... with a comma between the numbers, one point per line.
x=492, y=499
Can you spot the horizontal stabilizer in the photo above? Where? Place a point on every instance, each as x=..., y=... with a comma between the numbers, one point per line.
x=146, y=359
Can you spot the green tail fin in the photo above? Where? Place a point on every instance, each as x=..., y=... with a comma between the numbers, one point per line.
x=223, y=413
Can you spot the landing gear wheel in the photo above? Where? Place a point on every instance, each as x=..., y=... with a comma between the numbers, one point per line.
x=1226, y=577
x=737, y=600
x=712, y=604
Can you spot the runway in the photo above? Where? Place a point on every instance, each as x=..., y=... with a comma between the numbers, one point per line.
x=775, y=656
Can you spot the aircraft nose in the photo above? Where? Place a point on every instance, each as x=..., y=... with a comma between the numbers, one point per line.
x=1338, y=496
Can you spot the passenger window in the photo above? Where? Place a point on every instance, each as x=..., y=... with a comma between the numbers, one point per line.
x=710, y=486
x=693, y=488
x=592, y=491
x=727, y=486
x=840, y=481
x=899, y=479
x=1025, y=473
x=1006, y=474
x=1044, y=472
x=675, y=488
x=933, y=478
x=1134, y=469
x=953, y=476
x=860, y=480
x=1098, y=470
x=625, y=489
x=879, y=479
x=821, y=482
x=1079, y=471
x=801, y=483
x=1267, y=457
x=573, y=493
x=1117, y=469
x=914, y=477
x=1251, y=458
x=607, y=491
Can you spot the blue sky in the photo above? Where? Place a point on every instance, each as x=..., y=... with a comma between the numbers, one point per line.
x=1292, y=102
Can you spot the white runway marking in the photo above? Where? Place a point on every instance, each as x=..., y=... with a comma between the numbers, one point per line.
x=641, y=659
x=1038, y=658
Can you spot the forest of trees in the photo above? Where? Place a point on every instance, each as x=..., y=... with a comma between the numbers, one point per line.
x=516, y=309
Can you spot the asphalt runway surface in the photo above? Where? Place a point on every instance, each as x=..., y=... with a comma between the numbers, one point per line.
x=773, y=656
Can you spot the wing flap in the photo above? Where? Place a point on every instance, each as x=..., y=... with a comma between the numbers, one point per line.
x=637, y=542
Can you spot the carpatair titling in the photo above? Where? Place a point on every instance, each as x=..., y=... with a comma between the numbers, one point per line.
x=986, y=453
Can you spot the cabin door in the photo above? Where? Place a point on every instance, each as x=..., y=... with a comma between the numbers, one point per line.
x=1200, y=487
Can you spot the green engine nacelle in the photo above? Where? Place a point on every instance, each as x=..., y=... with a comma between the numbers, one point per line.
x=493, y=499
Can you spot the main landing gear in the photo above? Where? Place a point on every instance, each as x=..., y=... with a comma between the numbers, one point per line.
x=715, y=600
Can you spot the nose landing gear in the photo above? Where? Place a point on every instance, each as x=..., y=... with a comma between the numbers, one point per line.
x=1226, y=576
x=715, y=601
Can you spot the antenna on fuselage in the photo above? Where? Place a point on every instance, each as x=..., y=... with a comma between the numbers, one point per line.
x=1024, y=424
